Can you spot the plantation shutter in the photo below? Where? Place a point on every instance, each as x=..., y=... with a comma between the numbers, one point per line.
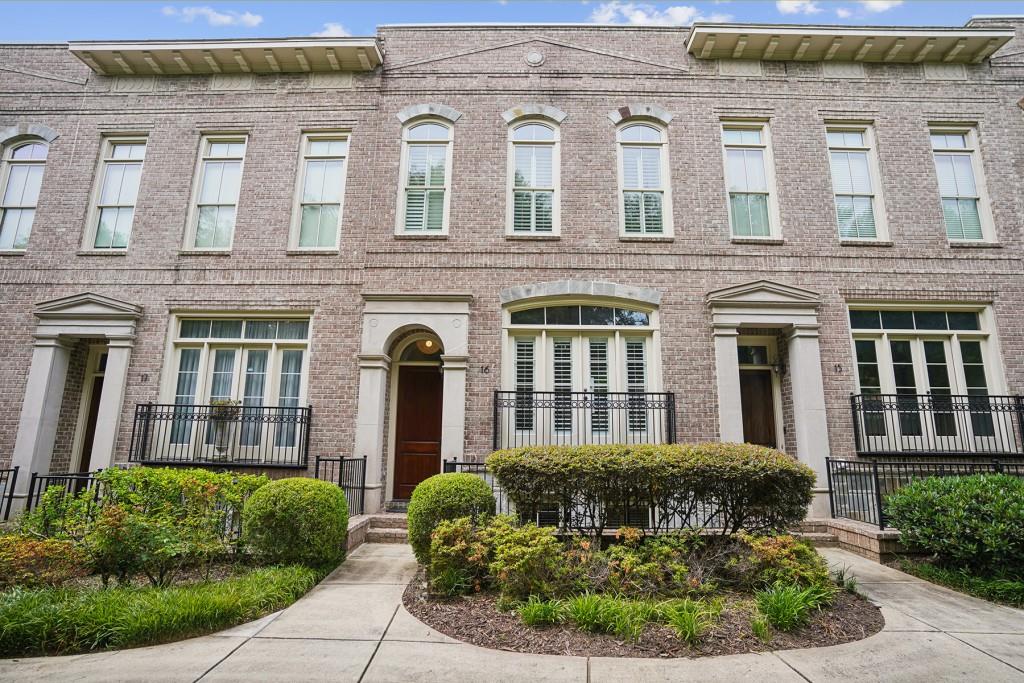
x=562, y=383
x=524, y=378
x=425, y=188
x=598, y=347
x=636, y=382
x=642, y=189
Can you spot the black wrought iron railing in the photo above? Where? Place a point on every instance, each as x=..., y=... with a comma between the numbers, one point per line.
x=8, y=480
x=858, y=488
x=350, y=475
x=574, y=418
x=938, y=424
x=239, y=436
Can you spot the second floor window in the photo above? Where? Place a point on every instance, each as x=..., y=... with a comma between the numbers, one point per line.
x=322, y=186
x=220, y=175
x=857, y=207
x=22, y=177
x=534, y=178
x=956, y=166
x=121, y=169
x=644, y=179
x=747, y=164
x=426, y=182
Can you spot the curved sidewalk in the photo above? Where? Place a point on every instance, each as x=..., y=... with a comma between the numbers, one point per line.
x=352, y=627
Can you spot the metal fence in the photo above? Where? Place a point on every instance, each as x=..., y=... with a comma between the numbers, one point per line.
x=858, y=488
x=574, y=418
x=227, y=435
x=349, y=474
x=938, y=425
x=8, y=480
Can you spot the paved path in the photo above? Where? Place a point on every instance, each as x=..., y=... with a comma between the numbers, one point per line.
x=352, y=627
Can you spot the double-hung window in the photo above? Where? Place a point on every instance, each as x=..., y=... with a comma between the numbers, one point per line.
x=110, y=223
x=216, y=194
x=859, y=210
x=959, y=173
x=646, y=205
x=22, y=176
x=749, y=180
x=426, y=179
x=321, y=190
x=534, y=180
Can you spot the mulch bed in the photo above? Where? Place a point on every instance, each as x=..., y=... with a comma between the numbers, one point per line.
x=476, y=619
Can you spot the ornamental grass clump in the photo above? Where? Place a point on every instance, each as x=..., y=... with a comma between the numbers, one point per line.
x=787, y=606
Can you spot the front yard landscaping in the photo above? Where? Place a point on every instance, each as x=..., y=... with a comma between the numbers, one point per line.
x=156, y=555
x=724, y=580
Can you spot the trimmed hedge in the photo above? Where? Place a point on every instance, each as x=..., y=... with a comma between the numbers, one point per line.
x=297, y=521
x=728, y=486
x=441, y=497
x=974, y=523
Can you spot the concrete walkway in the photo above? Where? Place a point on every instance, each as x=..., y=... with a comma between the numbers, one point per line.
x=352, y=627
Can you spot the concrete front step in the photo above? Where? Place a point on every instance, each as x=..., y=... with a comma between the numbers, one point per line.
x=389, y=520
x=387, y=535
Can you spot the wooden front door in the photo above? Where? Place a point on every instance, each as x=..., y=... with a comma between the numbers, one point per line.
x=417, y=428
x=758, y=402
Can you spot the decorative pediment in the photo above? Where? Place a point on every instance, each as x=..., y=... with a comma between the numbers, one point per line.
x=763, y=293
x=87, y=306
x=537, y=52
x=580, y=288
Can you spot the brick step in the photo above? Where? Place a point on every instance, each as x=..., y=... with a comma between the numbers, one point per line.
x=387, y=535
x=389, y=521
x=818, y=539
x=812, y=526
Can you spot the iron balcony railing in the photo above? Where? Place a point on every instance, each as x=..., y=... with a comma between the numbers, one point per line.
x=937, y=424
x=239, y=436
x=858, y=489
x=574, y=418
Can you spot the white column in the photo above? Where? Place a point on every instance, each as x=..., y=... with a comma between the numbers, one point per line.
x=727, y=372
x=40, y=409
x=453, y=407
x=810, y=423
x=369, y=441
x=108, y=416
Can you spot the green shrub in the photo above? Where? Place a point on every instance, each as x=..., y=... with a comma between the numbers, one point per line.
x=1002, y=589
x=297, y=521
x=647, y=566
x=444, y=496
x=527, y=559
x=31, y=562
x=750, y=487
x=65, y=621
x=974, y=522
x=538, y=612
x=762, y=561
x=787, y=606
x=459, y=557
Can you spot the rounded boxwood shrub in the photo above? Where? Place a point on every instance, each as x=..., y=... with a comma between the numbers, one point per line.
x=738, y=486
x=974, y=522
x=297, y=521
x=444, y=496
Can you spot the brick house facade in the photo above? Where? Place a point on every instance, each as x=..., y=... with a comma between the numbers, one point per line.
x=744, y=320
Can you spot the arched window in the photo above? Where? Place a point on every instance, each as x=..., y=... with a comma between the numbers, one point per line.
x=426, y=178
x=22, y=176
x=533, y=179
x=646, y=204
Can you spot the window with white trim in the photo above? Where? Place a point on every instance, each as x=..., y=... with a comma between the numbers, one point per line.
x=321, y=191
x=22, y=177
x=533, y=179
x=750, y=180
x=113, y=211
x=958, y=168
x=646, y=203
x=219, y=177
x=859, y=210
x=425, y=178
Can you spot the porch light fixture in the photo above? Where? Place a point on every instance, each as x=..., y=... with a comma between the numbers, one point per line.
x=427, y=346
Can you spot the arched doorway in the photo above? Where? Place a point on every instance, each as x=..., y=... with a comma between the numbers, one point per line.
x=417, y=404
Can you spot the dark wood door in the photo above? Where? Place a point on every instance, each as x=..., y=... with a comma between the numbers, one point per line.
x=418, y=427
x=758, y=403
x=93, y=409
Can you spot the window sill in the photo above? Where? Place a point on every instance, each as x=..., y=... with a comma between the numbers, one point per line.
x=13, y=252
x=980, y=244
x=531, y=236
x=312, y=252
x=415, y=236
x=865, y=243
x=757, y=240
x=646, y=238
x=101, y=252
x=204, y=252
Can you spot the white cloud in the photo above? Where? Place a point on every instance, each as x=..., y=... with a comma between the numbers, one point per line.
x=332, y=29
x=843, y=13
x=643, y=14
x=212, y=16
x=797, y=7
x=880, y=5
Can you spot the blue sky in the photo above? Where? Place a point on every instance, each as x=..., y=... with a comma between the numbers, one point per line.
x=44, y=21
